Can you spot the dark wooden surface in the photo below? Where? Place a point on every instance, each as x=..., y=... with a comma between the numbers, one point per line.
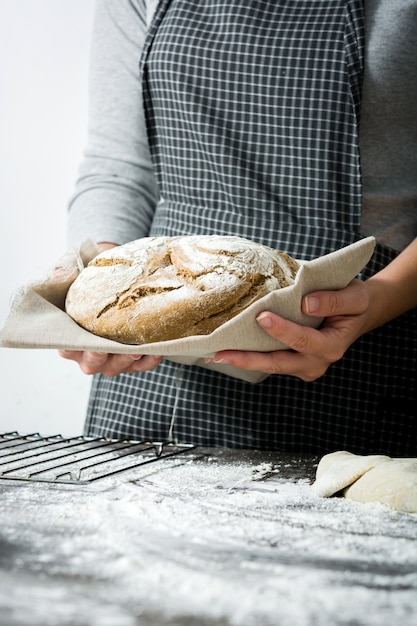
x=217, y=537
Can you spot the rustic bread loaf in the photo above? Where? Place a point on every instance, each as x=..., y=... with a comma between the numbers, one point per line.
x=161, y=288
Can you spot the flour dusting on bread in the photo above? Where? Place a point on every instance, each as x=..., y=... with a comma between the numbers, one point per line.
x=162, y=288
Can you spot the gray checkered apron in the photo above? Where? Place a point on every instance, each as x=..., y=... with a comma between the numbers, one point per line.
x=252, y=114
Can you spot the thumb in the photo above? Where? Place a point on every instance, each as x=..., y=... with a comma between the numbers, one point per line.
x=324, y=304
x=351, y=300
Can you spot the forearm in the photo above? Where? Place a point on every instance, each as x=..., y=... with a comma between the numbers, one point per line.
x=393, y=290
x=116, y=192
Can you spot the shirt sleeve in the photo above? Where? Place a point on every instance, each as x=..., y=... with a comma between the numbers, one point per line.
x=116, y=192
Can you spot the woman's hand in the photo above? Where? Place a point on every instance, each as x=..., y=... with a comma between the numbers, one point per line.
x=348, y=314
x=111, y=364
x=311, y=351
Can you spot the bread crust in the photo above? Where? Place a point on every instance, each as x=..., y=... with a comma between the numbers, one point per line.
x=162, y=288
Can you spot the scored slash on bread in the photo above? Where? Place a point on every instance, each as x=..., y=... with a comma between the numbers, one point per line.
x=162, y=288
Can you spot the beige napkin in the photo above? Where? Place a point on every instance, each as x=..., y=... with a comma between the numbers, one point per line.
x=37, y=317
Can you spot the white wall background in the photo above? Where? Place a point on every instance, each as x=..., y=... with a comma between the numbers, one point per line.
x=44, y=51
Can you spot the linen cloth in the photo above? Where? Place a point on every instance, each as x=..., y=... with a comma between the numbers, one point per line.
x=38, y=318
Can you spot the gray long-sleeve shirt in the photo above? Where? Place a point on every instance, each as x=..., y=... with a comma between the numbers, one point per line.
x=116, y=192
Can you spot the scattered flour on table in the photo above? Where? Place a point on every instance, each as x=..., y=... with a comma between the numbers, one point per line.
x=231, y=542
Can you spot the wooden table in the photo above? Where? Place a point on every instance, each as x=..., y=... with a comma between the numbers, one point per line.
x=213, y=538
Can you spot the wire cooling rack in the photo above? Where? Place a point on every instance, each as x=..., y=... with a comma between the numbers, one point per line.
x=76, y=460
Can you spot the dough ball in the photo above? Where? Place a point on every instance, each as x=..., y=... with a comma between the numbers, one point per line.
x=393, y=484
x=371, y=478
x=340, y=469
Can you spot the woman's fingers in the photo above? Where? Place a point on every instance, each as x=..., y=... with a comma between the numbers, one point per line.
x=111, y=364
x=310, y=351
x=352, y=300
x=299, y=338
